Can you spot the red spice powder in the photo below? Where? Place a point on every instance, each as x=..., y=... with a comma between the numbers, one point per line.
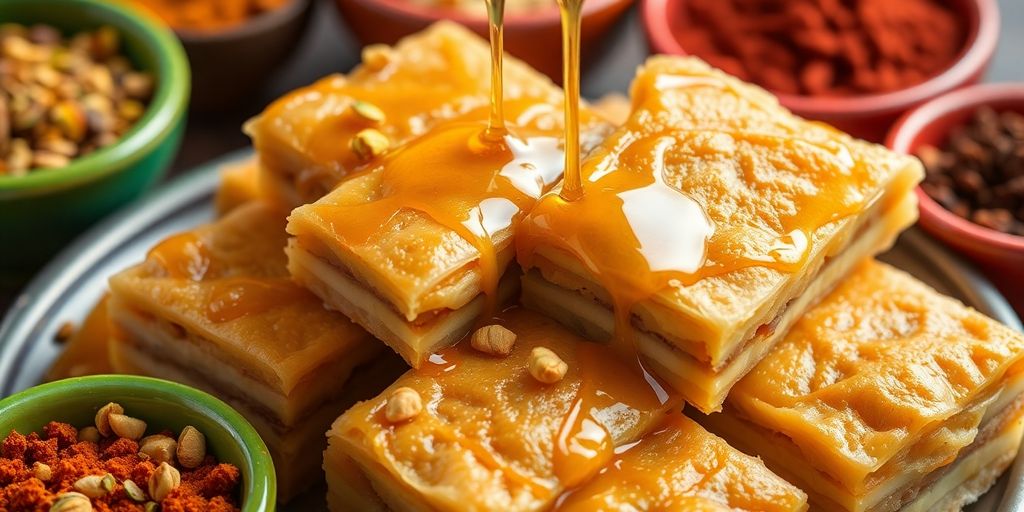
x=210, y=487
x=823, y=47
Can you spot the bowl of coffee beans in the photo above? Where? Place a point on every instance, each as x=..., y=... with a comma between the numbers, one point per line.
x=971, y=143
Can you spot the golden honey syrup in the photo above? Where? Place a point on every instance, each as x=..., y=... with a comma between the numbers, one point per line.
x=475, y=178
x=682, y=467
x=663, y=207
x=494, y=409
x=187, y=256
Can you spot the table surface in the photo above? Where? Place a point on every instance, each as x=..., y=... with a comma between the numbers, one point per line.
x=329, y=48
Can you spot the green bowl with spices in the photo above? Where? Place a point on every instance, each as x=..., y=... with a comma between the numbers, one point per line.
x=44, y=209
x=162, y=405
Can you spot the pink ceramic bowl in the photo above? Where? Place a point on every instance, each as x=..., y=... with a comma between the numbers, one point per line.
x=866, y=116
x=999, y=255
x=535, y=37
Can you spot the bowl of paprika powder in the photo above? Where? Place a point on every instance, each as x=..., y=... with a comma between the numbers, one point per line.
x=857, y=65
x=160, y=404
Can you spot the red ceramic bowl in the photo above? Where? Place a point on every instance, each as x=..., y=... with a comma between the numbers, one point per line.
x=535, y=37
x=999, y=255
x=866, y=116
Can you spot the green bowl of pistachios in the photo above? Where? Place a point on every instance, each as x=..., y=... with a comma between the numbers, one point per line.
x=93, y=99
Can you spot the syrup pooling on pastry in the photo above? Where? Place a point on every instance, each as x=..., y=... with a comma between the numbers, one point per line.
x=233, y=298
x=182, y=256
x=476, y=187
x=657, y=213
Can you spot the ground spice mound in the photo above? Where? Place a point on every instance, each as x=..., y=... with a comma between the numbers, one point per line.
x=823, y=47
x=25, y=485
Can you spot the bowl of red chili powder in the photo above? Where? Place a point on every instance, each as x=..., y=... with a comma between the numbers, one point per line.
x=855, y=64
x=56, y=452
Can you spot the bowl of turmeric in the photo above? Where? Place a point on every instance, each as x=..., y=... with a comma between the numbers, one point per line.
x=233, y=46
x=857, y=65
x=129, y=443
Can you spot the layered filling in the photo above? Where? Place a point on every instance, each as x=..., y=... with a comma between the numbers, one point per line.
x=414, y=339
x=498, y=438
x=905, y=482
x=659, y=332
x=294, y=441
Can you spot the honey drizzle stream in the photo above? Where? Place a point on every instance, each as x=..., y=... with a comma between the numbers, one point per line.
x=572, y=187
x=495, y=21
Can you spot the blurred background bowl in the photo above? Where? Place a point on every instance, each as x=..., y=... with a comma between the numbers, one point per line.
x=868, y=115
x=162, y=405
x=534, y=36
x=230, y=65
x=41, y=211
x=999, y=255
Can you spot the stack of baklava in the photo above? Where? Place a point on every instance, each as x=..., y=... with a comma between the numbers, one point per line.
x=721, y=257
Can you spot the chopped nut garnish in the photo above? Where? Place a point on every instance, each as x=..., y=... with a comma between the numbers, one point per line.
x=90, y=434
x=158, y=448
x=494, y=340
x=42, y=471
x=126, y=426
x=377, y=57
x=133, y=491
x=191, y=447
x=368, y=111
x=369, y=143
x=403, y=404
x=152, y=506
x=95, y=486
x=66, y=330
x=546, y=366
x=71, y=502
x=103, y=417
x=164, y=480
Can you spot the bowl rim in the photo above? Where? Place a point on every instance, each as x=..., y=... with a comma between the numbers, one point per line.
x=248, y=28
x=544, y=16
x=977, y=51
x=259, y=492
x=160, y=119
x=905, y=130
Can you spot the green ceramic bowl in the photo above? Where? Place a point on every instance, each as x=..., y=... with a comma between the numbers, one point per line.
x=161, y=404
x=43, y=210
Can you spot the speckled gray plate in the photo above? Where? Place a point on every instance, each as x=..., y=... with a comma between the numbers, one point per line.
x=69, y=286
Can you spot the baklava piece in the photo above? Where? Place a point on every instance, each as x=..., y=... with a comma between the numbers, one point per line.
x=304, y=139
x=214, y=308
x=886, y=396
x=478, y=431
x=681, y=467
x=709, y=223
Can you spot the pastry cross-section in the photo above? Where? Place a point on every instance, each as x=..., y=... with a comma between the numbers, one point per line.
x=418, y=246
x=886, y=396
x=680, y=466
x=709, y=222
x=214, y=308
x=490, y=435
x=303, y=139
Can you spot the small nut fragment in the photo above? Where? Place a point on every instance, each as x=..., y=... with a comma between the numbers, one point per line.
x=71, y=502
x=368, y=111
x=191, y=447
x=95, y=486
x=377, y=57
x=403, y=404
x=89, y=434
x=164, y=480
x=158, y=448
x=103, y=417
x=546, y=366
x=495, y=340
x=152, y=506
x=126, y=426
x=133, y=491
x=369, y=143
x=42, y=471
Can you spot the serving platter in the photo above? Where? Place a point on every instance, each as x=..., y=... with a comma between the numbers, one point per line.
x=72, y=283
